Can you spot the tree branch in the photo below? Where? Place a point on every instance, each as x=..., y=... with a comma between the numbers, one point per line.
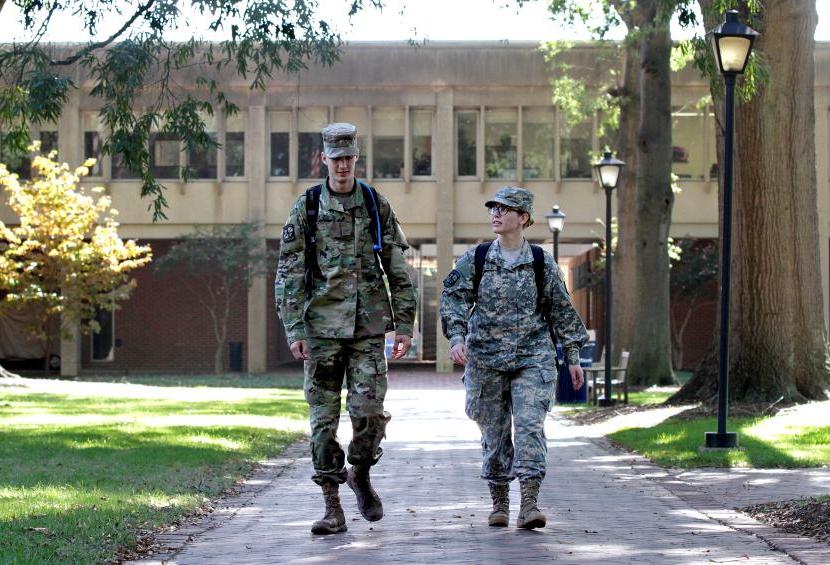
x=98, y=45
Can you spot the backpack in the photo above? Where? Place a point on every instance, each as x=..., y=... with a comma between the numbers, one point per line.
x=312, y=210
x=538, y=269
x=539, y=275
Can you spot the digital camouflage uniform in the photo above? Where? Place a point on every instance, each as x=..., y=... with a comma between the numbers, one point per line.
x=344, y=321
x=510, y=372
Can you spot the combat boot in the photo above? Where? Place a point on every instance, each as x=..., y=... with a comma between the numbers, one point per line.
x=530, y=516
x=500, y=516
x=334, y=521
x=368, y=501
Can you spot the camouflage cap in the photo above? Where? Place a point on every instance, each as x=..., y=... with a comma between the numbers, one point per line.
x=339, y=140
x=514, y=197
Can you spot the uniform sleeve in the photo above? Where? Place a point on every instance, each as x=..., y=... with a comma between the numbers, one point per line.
x=565, y=319
x=289, y=286
x=401, y=289
x=457, y=299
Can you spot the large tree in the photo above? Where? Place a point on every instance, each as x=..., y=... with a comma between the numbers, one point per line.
x=134, y=65
x=778, y=336
x=645, y=198
x=65, y=259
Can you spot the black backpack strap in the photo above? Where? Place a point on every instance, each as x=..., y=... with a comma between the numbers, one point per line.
x=539, y=272
x=370, y=199
x=312, y=210
x=478, y=264
x=542, y=303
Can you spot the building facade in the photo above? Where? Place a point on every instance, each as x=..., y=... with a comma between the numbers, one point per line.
x=441, y=127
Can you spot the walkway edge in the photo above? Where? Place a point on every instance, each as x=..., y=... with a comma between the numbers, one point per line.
x=802, y=549
x=173, y=542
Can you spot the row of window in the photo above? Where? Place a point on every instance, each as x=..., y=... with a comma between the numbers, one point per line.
x=493, y=143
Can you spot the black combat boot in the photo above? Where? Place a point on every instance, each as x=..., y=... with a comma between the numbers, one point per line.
x=334, y=521
x=500, y=516
x=530, y=516
x=368, y=501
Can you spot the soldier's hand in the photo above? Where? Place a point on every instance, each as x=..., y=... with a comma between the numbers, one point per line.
x=577, y=376
x=299, y=349
x=402, y=345
x=458, y=354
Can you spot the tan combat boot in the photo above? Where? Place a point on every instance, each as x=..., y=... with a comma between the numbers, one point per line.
x=368, y=501
x=500, y=516
x=334, y=521
x=530, y=516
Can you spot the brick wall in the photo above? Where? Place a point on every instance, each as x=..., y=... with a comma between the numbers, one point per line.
x=163, y=326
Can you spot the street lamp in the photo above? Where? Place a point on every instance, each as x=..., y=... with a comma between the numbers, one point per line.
x=608, y=171
x=732, y=42
x=556, y=222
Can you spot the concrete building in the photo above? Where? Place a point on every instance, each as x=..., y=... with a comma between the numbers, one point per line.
x=442, y=126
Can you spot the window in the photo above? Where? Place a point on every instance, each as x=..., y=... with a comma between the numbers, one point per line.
x=103, y=340
x=387, y=143
x=164, y=155
x=48, y=141
x=688, y=159
x=235, y=144
x=500, y=143
x=466, y=143
x=575, y=147
x=280, y=142
x=538, y=137
x=120, y=169
x=202, y=160
x=359, y=117
x=310, y=143
x=17, y=162
x=420, y=125
x=92, y=141
x=712, y=146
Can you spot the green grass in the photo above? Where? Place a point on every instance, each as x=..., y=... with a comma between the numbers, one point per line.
x=648, y=397
x=81, y=477
x=285, y=379
x=765, y=443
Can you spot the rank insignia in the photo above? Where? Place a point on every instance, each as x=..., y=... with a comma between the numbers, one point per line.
x=452, y=278
x=289, y=234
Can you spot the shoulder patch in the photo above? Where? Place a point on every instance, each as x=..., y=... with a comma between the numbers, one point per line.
x=289, y=234
x=451, y=279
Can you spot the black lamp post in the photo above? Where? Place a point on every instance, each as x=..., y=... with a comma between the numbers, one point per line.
x=732, y=43
x=608, y=171
x=556, y=223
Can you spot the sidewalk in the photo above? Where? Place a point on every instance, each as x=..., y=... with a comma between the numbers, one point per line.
x=601, y=503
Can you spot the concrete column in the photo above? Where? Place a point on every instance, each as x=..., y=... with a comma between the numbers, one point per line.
x=70, y=150
x=255, y=146
x=445, y=214
x=823, y=184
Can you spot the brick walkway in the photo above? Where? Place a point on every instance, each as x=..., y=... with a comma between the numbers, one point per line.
x=601, y=503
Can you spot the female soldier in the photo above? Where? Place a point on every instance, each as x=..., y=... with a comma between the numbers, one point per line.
x=499, y=327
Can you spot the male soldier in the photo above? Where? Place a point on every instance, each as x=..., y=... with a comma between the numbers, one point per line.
x=505, y=344
x=332, y=300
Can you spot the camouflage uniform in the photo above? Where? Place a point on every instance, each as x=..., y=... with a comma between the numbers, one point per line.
x=344, y=321
x=510, y=371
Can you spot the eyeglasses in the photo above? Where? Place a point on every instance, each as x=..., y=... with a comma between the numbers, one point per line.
x=498, y=211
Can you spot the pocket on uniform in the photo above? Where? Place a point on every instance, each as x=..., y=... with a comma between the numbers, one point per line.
x=472, y=405
x=547, y=387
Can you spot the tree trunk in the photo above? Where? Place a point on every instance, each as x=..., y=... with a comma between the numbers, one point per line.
x=778, y=337
x=650, y=361
x=625, y=255
x=7, y=377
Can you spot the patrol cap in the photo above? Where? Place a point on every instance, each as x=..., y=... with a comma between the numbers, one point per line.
x=339, y=140
x=514, y=197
